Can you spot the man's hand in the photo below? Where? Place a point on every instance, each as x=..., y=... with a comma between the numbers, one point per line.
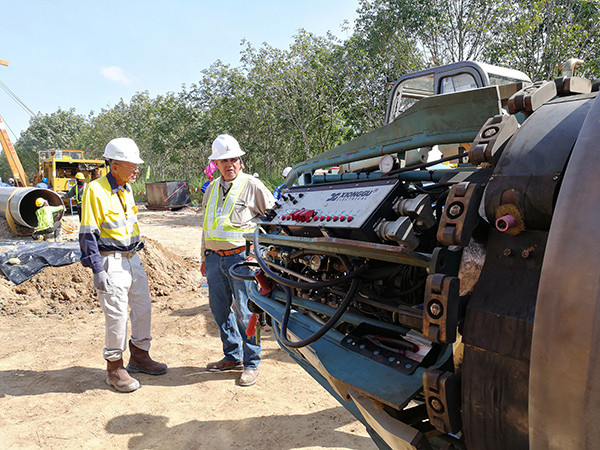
x=102, y=282
x=203, y=268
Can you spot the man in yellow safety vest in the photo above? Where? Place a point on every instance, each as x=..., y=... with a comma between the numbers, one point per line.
x=45, y=217
x=77, y=191
x=109, y=238
x=232, y=203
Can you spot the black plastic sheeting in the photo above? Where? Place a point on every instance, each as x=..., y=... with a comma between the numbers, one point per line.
x=34, y=256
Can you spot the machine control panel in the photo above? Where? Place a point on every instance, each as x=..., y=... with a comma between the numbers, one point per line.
x=345, y=205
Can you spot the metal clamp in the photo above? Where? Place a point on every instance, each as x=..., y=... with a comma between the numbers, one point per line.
x=492, y=136
x=529, y=99
x=442, y=303
x=442, y=396
x=460, y=214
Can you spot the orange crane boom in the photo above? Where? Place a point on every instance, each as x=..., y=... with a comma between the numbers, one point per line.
x=13, y=160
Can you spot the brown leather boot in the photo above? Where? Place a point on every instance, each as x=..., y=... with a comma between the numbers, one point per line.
x=140, y=361
x=118, y=377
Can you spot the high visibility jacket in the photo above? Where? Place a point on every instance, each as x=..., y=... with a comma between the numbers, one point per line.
x=45, y=216
x=108, y=221
x=77, y=192
x=217, y=224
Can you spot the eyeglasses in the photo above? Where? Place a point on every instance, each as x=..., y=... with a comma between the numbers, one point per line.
x=128, y=166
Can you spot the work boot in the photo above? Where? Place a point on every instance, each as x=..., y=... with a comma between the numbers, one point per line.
x=140, y=361
x=118, y=377
x=223, y=365
x=248, y=377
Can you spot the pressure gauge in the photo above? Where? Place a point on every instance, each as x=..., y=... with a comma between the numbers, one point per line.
x=387, y=163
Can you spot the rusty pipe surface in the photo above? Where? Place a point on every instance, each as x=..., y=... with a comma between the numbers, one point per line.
x=19, y=204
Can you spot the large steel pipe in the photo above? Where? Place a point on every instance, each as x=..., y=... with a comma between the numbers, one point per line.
x=17, y=206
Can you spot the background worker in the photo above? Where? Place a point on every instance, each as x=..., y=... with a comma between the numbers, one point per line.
x=45, y=217
x=43, y=184
x=109, y=238
x=232, y=203
x=77, y=191
x=277, y=191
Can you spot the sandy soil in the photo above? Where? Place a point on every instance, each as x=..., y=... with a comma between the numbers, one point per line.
x=52, y=389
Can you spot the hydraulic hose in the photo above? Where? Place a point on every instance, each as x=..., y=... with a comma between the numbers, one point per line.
x=239, y=276
x=325, y=328
x=298, y=284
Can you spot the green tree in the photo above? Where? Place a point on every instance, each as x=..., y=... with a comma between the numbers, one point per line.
x=60, y=129
x=160, y=126
x=540, y=35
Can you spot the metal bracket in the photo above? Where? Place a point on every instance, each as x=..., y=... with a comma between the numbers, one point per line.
x=442, y=303
x=532, y=97
x=442, y=396
x=460, y=214
x=572, y=85
x=494, y=133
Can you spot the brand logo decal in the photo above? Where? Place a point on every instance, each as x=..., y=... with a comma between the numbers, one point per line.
x=350, y=196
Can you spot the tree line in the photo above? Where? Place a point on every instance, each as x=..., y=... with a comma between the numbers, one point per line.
x=286, y=105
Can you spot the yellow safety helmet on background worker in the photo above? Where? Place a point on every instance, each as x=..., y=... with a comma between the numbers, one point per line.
x=123, y=149
x=225, y=147
x=39, y=202
x=79, y=176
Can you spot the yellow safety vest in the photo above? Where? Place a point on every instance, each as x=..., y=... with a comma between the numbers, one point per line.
x=112, y=217
x=217, y=224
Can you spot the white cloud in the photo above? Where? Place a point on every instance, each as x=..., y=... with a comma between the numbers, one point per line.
x=116, y=74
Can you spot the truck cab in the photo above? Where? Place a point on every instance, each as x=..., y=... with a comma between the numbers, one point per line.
x=455, y=77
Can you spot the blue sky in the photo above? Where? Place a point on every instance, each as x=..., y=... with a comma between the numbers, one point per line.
x=87, y=55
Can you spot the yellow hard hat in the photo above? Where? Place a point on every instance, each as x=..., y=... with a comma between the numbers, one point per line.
x=39, y=202
x=79, y=176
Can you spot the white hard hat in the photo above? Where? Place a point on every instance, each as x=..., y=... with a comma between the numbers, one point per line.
x=286, y=171
x=123, y=149
x=225, y=147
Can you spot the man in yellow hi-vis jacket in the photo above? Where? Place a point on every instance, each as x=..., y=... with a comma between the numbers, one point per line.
x=109, y=238
x=232, y=203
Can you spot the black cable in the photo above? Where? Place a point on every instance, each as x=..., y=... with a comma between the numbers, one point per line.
x=298, y=284
x=427, y=164
x=325, y=328
x=237, y=275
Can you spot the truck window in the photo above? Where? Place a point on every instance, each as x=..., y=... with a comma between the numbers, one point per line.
x=409, y=92
x=456, y=83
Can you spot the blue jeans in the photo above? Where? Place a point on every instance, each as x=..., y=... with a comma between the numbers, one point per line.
x=228, y=301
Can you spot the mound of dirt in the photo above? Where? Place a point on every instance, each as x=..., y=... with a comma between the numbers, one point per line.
x=69, y=290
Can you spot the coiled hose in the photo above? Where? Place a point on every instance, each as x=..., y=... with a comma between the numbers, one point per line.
x=287, y=284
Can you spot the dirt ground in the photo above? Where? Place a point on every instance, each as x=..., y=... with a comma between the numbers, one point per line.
x=52, y=389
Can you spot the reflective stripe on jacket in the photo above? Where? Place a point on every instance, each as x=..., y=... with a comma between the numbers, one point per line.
x=108, y=221
x=217, y=224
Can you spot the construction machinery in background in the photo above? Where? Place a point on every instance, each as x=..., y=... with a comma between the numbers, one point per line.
x=60, y=166
x=449, y=301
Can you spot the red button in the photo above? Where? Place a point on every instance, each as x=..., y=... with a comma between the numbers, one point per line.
x=328, y=218
x=282, y=217
x=322, y=217
x=335, y=218
x=342, y=218
x=350, y=218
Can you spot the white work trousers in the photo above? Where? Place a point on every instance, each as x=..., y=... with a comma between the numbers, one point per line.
x=129, y=287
